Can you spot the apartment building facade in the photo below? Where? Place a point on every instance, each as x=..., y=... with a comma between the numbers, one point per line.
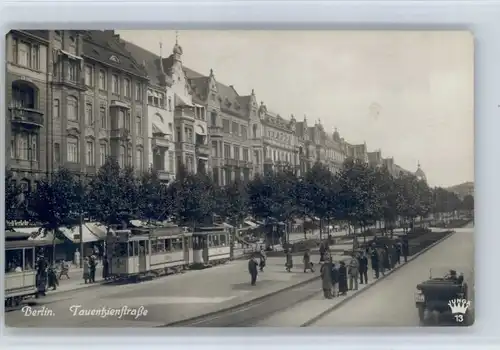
x=28, y=107
x=233, y=127
x=279, y=140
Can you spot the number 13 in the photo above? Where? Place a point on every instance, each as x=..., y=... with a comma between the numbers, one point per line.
x=459, y=318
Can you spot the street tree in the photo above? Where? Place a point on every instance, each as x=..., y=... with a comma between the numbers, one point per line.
x=154, y=202
x=194, y=201
x=112, y=195
x=359, y=196
x=234, y=203
x=56, y=203
x=318, y=195
x=388, y=198
x=468, y=204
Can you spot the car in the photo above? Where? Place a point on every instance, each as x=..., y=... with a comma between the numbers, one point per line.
x=433, y=296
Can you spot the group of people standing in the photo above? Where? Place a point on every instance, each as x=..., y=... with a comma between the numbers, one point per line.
x=385, y=257
x=338, y=280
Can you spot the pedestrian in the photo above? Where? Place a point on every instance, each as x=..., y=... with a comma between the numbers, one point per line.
x=289, y=260
x=335, y=280
x=405, y=250
x=353, y=272
x=262, y=262
x=326, y=279
x=64, y=270
x=308, y=265
x=52, y=278
x=375, y=262
x=342, y=279
x=92, y=268
x=86, y=270
x=105, y=267
x=253, y=270
x=363, y=268
x=322, y=252
x=398, y=253
x=41, y=275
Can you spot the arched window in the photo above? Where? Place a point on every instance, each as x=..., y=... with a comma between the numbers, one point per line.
x=72, y=108
x=122, y=156
x=255, y=131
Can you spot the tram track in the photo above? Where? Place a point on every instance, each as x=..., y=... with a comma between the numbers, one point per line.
x=250, y=313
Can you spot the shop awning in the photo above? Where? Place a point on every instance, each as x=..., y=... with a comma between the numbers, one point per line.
x=98, y=230
x=226, y=225
x=32, y=231
x=73, y=234
x=251, y=223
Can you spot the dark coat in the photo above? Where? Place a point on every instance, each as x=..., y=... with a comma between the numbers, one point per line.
x=374, y=258
x=363, y=264
x=385, y=253
x=342, y=279
x=335, y=275
x=252, y=267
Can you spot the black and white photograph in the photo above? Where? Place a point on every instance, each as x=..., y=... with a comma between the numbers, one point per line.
x=239, y=178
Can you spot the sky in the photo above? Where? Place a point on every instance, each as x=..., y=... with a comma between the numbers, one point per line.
x=410, y=94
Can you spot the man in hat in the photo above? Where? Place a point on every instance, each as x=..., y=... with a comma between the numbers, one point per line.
x=253, y=270
x=342, y=279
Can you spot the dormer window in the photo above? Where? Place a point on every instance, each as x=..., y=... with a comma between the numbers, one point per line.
x=114, y=59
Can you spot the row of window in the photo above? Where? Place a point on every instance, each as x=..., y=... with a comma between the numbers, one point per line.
x=235, y=154
x=125, y=156
x=278, y=156
x=229, y=175
x=72, y=115
x=234, y=129
x=117, y=82
x=280, y=136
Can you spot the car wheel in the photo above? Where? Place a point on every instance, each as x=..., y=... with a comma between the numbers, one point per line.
x=421, y=315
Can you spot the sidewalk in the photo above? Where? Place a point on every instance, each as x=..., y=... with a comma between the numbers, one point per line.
x=75, y=280
x=176, y=297
x=198, y=293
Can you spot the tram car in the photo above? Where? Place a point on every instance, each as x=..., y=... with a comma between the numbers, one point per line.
x=211, y=245
x=139, y=252
x=20, y=269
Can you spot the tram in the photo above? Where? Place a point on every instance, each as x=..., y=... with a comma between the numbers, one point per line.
x=138, y=252
x=20, y=270
x=211, y=245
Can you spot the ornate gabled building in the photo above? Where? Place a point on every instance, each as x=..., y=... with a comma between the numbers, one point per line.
x=279, y=140
x=28, y=105
x=233, y=125
x=160, y=116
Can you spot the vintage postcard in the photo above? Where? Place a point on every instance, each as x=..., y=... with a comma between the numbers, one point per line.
x=239, y=178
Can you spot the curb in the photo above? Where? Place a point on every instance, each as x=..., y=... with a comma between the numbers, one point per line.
x=410, y=259
x=238, y=306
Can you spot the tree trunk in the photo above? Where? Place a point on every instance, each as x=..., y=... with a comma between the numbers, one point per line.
x=320, y=229
x=304, y=227
x=53, y=247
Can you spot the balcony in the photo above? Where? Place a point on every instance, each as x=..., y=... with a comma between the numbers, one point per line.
x=120, y=133
x=231, y=162
x=244, y=164
x=203, y=150
x=215, y=131
x=26, y=116
x=163, y=142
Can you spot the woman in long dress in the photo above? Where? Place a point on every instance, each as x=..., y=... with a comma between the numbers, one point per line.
x=86, y=270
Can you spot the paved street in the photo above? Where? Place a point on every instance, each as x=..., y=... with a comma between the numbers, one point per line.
x=391, y=301
x=168, y=299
